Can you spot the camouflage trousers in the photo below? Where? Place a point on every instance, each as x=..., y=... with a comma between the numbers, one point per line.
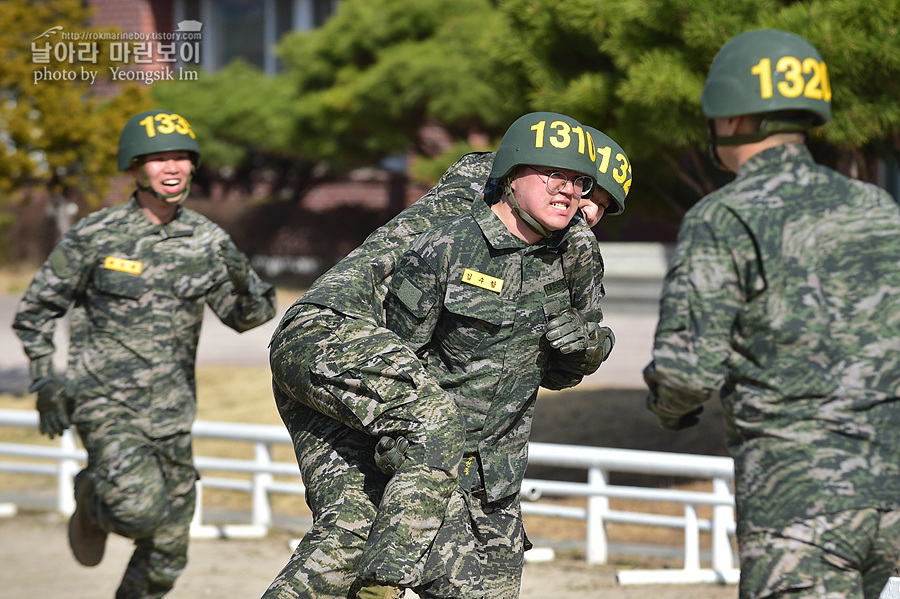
x=477, y=551
x=367, y=384
x=144, y=489
x=846, y=555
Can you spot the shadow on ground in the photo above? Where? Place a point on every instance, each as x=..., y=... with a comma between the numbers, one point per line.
x=617, y=418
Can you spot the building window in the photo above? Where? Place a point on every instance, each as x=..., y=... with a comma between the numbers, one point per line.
x=250, y=29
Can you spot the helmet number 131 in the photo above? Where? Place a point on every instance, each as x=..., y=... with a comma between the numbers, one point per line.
x=563, y=137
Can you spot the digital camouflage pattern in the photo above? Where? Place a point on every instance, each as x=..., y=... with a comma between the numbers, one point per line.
x=357, y=285
x=138, y=292
x=368, y=385
x=473, y=300
x=480, y=549
x=790, y=563
x=783, y=295
x=145, y=490
x=331, y=353
x=343, y=383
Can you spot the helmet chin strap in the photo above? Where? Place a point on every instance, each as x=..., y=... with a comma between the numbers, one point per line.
x=143, y=183
x=766, y=128
x=529, y=220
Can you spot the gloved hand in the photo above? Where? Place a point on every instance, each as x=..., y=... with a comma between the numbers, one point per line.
x=601, y=341
x=390, y=454
x=54, y=420
x=674, y=422
x=666, y=416
x=570, y=332
x=238, y=267
x=558, y=379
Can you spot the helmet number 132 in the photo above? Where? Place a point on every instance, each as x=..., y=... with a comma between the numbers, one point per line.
x=795, y=83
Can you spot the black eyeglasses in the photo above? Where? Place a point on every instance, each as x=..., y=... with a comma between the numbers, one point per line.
x=556, y=182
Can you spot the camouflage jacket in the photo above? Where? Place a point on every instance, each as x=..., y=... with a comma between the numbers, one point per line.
x=357, y=285
x=138, y=291
x=473, y=300
x=783, y=296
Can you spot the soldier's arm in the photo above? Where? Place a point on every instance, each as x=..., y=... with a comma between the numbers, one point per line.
x=56, y=285
x=414, y=300
x=570, y=362
x=702, y=296
x=239, y=297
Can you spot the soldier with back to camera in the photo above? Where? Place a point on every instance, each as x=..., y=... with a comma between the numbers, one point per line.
x=783, y=297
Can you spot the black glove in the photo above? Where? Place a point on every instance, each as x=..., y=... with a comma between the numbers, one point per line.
x=238, y=267
x=557, y=380
x=390, y=454
x=54, y=420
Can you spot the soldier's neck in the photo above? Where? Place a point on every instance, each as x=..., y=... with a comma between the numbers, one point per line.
x=157, y=211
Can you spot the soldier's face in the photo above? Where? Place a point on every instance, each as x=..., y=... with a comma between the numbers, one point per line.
x=595, y=206
x=165, y=172
x=553, y=211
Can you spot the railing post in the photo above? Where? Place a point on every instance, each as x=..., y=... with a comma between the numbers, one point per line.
x=597, y=509
x=197, y=520
x=691, y=538
x=262, y=509
x=65, y=482
x=723, y=520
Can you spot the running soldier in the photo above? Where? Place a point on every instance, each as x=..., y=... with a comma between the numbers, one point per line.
x=138, y=275
x=338, y=393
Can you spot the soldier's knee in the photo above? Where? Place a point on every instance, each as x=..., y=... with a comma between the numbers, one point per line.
x=137, y=517
x=132, y=506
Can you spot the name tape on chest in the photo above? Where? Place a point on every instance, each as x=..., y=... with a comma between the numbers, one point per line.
x=123, y=265
x=478, y=279
x=556, y=287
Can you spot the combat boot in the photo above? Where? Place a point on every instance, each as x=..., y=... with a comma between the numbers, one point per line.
x=376, y=590
x=87, y=540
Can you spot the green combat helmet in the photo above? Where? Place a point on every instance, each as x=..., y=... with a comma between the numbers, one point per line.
x=547, y=139
x=157, y=131
x=613, y=169
x=769, y=72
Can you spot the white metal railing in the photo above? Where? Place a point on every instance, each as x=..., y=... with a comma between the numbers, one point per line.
x=66, y=458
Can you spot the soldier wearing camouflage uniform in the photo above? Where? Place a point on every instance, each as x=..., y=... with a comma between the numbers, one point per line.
x=783, y=297
x=341, y=380
x=481, y=299
x=139, y=275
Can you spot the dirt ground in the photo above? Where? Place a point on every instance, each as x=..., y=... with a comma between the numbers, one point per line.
x=36, y=562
